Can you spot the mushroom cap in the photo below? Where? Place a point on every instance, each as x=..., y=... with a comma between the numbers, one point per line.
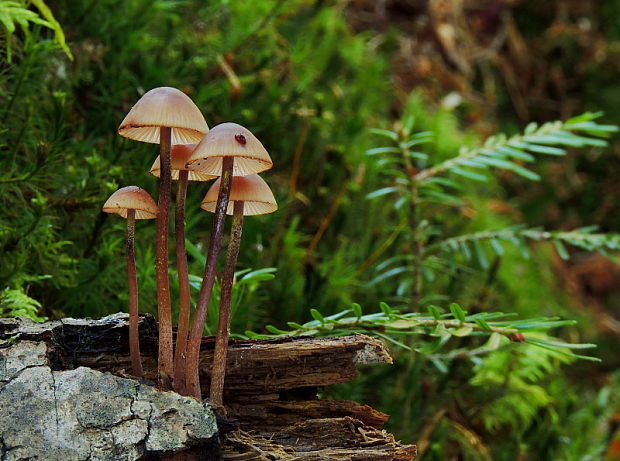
x=164, y=107
x=180, y=153
x=251, y=189
x=226, y=140
x=131, y=198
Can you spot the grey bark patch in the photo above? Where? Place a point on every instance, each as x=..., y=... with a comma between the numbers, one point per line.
x=84, y=414
x=15, y=359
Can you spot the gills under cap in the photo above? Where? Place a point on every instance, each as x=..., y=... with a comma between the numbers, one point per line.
x=164, y=107
x=180, y=153
x=230, y=140
x=131, y=198
x=251, y=189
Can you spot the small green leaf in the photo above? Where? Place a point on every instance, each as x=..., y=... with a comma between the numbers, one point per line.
x=408, y=124
x=495, y=340
x=381, y=192
x=316, y=315
x=480, y=256
x=462, y=331
x=515, y=153
x=469, y=174
x=388, y=274
x=195, y=252
x=383, y=150
x=531, y=128
x=434, y=345
x=546, y=150
x=439, y=365
x=357, y=310
x=274, y=330
x=386, y=133
x=387, y=310
x=465, y=250
x=252, y=335
x=499, y=250
x=482, y=323
x=434, y=312
x=561, y=249
x=457, y=312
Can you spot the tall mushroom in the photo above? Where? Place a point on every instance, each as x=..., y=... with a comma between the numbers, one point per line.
x=249, y=195
x=228, y=149
x=179, y=155
x=132, y=203
x=166, y=116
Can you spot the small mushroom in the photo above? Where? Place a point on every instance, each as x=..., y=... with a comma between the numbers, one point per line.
x=249, y=195
x=179, y=155
x=227, y=150
x=166, y=116
x=132, y=203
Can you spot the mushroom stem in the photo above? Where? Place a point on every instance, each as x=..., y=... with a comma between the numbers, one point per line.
x=184, y=297
x=165, y=362
x=134, y=336
x=193, y=346
x=218, y=372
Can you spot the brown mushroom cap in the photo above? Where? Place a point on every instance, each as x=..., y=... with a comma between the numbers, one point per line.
x=180, y=154
x=131, y=198
x=226, y=140
x=164, y=107
x=251, y=189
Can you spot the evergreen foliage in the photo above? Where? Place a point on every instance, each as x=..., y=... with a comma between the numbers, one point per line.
x=418, y=217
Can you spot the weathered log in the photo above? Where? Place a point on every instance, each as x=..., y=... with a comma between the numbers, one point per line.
x=253, y=367
x=85, y=414
x=270, y=388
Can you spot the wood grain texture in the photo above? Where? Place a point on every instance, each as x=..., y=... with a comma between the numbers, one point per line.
x=271, y=386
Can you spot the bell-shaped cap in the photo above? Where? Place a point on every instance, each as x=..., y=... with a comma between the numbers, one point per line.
x=226, y=140
x=131, y=198
x=180, y=153
x=252, y=190
x=164, y=107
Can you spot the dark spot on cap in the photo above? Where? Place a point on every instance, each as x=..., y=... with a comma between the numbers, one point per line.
x=240, y=139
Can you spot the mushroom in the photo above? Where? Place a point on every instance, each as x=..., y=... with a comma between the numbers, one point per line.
x=179, y=155
x=228, y=149
x=132, y=203
x=249, y=195
x=166, y=116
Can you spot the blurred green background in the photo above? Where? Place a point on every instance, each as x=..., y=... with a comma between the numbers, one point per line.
x=310, y=79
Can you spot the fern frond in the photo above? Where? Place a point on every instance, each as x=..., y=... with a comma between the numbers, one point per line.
x=513, y=380
x=502, y=152
x=13, y=13
x=16, y=303
x=390, y=324
x=470, y=245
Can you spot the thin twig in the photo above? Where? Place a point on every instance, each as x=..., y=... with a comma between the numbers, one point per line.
x=326, y=220
x=292, y=188
x=387, y=243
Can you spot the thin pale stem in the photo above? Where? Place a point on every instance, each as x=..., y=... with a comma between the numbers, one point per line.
x=192, y=378
x=132, y=281
x=184, y=298
x=165, y=362
x=218, y=372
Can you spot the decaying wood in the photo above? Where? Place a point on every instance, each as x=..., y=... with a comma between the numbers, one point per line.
x=254, y=366
x=270, y=389
x=328, y=439
x=276, y=414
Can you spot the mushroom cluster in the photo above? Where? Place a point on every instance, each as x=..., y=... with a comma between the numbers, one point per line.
x=189, y=151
